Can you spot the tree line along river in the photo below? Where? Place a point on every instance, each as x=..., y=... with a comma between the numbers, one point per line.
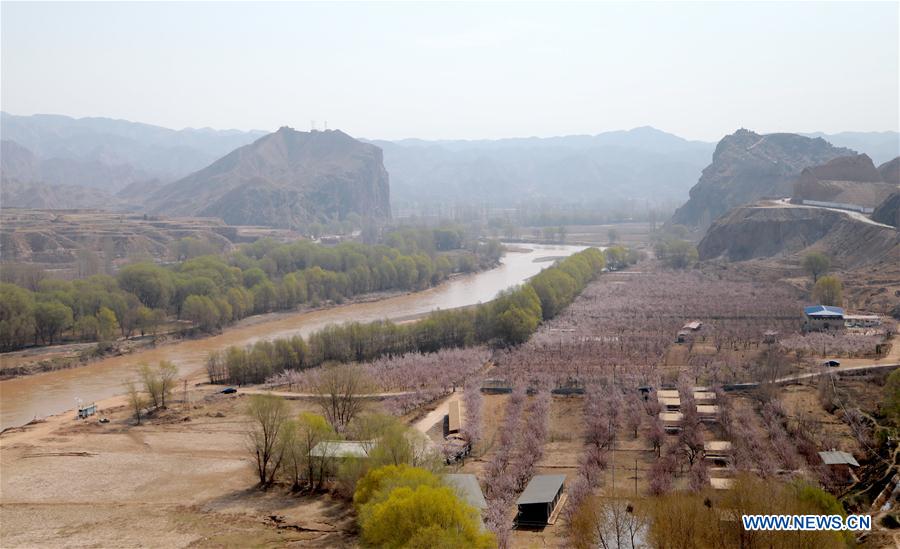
x=25, y=398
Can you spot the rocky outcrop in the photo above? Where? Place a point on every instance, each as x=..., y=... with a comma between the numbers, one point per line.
x=846, y=180
x=890, y=171
x=285, y=179
x=888, y=212
x=747, y=166
x=769, y=230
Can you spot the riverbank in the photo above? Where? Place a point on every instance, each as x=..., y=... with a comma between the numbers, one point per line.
x=36, y=360
x=48, y=393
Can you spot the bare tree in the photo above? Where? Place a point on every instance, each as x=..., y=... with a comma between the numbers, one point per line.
x=340, y=389
x=269, y=415
x=608, y=523
x=136, y=400
x=158, y=382
x=633, y=413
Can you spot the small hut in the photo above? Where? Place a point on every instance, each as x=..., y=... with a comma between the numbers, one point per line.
x=342, y=449
x=708, y=413
x=717, y=450
x=840, y=463
x=538, y=501
x=671, y=421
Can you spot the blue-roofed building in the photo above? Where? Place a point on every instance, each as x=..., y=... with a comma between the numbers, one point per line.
x=820, y=318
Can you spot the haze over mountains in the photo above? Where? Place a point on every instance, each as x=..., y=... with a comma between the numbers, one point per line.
x=152, y=151
x=289, y=178
x=640, y=164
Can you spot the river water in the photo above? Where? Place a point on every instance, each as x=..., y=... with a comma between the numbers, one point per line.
x=25, y=398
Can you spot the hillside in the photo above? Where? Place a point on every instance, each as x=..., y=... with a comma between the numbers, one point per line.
x=846, y=180
x=747, y=166
x=890, y=171
x=285, y=179
x=777, y=229
x=888, y=212
x=643, y=163
x=55, y=239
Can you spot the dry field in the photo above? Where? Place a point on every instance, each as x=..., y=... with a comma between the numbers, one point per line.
x=181, y=479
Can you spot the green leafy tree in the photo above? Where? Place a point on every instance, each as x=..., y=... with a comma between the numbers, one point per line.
x=201, y=310
x=87, y=327
x=151, y=284
x=158, y=382
x=407, y=274
x=379, y=481
x=16, y=316
x=816, y=264
x=107, y=324
x=51, y=319
x=419, y=514
x=828, y=291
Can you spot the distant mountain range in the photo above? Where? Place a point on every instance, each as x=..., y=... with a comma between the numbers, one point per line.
x=146, y=151
x=639, y=164
x=55, y=161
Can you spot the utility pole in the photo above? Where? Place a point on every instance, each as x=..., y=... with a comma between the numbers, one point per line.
x=635, y=476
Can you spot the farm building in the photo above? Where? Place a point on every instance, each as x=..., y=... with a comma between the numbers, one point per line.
x=538, y=501
x=467, y=486
x=692, y=326
x=708, y=412
x=704, y=397
x=671, y=421
x=86, y=411
x=496, y=386
x=669, y=399
x=721, y=483
x=862, y=321
x=717, y=450
x=670, y=404
x=342, y=449
x=840, y=463
x=819, y=318
x=453, y=418
x=770, y=337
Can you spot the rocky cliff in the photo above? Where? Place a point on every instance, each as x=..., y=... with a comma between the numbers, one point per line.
x=770, y=230
x=888, y=212
x=284, y=179
x=747, y=166
x=890, y=171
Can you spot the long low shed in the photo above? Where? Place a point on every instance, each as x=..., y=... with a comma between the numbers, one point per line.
x=540, y=497
x=342, y=449
x=453, y=420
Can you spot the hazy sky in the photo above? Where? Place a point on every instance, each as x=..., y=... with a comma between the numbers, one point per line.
x=459, y=70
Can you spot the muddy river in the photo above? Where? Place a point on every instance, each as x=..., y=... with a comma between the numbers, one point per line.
x=23, y=399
